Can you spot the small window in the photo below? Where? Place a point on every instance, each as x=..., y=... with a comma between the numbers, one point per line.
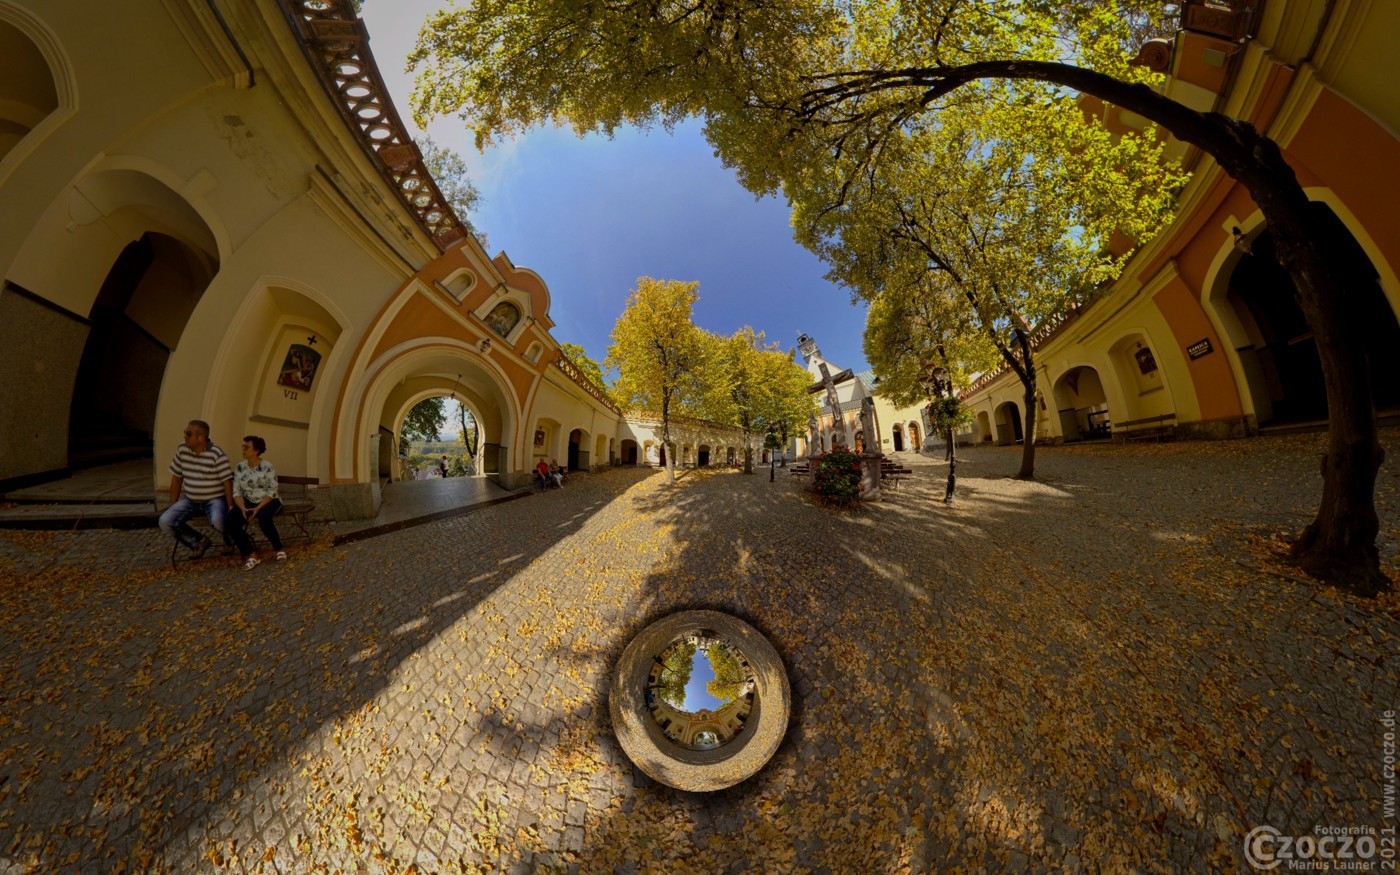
x=459, y=283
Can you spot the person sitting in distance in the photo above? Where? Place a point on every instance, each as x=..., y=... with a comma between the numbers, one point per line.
x=542, y=474
x=201, y=482
x=255, y=498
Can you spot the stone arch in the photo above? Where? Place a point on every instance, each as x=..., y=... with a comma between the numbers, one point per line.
x=389, y=429
x=702, y=456
x=1082, y=404
x=914, y=443
x=278, y=314
x=1141, y=380
x=1008, y=423
x=548, y=440
x=1269, y=345
x=406, y=374
x=38, y=90
x=897, y=436
x=129, y=260
x=984, y=427
x=579, y=458
x=628, y=453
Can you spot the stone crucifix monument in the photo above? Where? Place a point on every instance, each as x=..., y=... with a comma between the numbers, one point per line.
x=828, y=382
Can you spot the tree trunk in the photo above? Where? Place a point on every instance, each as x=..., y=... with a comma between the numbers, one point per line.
x=1339, y=546
x=666, y=448
x=1027, y=471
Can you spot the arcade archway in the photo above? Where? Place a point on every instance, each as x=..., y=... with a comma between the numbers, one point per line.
x=1008, y=418
x=438, y=369
x=1277, y=350
x=1082, y=404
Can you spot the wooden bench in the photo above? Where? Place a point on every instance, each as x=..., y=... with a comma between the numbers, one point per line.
x=892, y=474
x=298, y=503
x=1151, y=428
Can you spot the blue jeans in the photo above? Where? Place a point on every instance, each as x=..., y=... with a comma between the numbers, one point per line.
x=173, y=521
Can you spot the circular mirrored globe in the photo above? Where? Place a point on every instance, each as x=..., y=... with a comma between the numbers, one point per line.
x=700, y=691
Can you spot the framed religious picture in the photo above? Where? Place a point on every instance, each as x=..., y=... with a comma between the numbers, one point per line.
x=299, y=367
x=1146, y=363
x=539, y=437
x=503, y=318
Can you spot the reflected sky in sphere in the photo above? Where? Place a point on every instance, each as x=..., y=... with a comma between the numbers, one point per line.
x=697, y=697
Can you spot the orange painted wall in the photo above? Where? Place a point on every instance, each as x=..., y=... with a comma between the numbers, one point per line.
x=1359, y=160
x=420, y=318
x=1215, y=385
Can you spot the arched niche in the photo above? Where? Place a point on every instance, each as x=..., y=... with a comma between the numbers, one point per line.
x=1008, y=423
x=1140, y=377
x=278, y=368
x=1082, y=404
x=578, y=453
x=37, y=88
x=28, y=93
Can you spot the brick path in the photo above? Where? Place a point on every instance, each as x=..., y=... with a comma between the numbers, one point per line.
x=1089, y=671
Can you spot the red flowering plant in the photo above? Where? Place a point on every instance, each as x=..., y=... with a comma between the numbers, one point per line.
x=838, y=477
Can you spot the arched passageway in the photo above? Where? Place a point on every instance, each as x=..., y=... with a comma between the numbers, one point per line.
x=578, y=453
x=914, y=443
x=897, y=435
x=629, y=451
x=1082, y=404
x=1279, y=353
x=1009, y=424
x=703, y=456
x=27, y=89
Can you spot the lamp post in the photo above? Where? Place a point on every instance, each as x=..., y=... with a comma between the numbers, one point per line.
x=940, y=383
x=772, y=456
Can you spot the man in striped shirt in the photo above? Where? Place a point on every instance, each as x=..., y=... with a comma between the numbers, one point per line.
x=201, y=482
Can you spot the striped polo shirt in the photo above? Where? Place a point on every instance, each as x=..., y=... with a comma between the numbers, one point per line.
x=203, y=473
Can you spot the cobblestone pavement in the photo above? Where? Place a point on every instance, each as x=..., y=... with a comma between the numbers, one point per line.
x=1105, y=670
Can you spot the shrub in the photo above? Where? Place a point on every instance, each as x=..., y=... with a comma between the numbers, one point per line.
x=838, y=477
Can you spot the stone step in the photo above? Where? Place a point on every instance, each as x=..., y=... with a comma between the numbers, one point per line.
x=79, y=516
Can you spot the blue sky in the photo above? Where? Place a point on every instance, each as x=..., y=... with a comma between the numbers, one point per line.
x=591, y=215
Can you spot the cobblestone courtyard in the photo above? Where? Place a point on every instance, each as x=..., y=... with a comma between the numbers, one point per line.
x=1097, y=671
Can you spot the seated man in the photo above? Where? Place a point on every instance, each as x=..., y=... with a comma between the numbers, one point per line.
x=542, y=473
x=201, y=482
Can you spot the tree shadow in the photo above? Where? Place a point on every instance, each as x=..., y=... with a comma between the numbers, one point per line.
x=135, y=706
x=1050, y=674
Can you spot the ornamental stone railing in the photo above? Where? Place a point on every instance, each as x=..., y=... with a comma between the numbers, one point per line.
x=1052, y=326
x=586, y=383
x=337, y=44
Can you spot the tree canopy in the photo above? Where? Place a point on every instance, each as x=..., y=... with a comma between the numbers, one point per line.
x=590, y=368
x=793, y=90
x=424, y=421
x=659, y=354
x=751, y=385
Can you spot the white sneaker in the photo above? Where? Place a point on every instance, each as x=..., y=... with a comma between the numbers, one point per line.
x=253, y=562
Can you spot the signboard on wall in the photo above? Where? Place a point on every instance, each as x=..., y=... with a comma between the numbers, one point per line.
x=1200, y=348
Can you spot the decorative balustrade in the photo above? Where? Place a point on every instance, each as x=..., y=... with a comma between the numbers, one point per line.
x=337, y=44
x=585, y=382
x=1047, y=329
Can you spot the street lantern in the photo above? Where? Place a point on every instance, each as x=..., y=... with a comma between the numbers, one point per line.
x=942, y=382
